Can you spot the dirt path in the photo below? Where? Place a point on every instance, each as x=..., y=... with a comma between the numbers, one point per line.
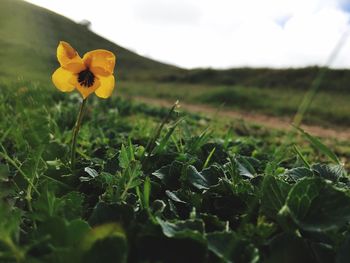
x=260, y=119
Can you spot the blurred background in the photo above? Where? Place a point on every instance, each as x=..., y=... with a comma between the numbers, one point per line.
x=218, y=34
x=247, y=56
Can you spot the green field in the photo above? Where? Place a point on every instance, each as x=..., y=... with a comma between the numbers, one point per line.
x=154, y=184
x=327, y=109
x=202, y=191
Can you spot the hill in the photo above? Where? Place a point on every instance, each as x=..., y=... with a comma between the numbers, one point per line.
x=29, y=36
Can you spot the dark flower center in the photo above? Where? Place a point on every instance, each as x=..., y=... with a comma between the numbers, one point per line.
x=86, y=78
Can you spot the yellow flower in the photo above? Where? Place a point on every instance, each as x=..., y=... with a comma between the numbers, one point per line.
x=92, y=73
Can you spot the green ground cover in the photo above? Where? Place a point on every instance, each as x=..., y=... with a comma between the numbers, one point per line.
x=199, y=190
x=237, y=193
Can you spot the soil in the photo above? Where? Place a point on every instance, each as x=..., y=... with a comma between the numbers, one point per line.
x=281, y=123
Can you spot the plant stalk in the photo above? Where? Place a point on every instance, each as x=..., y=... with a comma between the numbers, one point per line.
x=75, y=133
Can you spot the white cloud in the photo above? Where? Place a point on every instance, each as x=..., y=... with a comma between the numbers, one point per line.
x=221, y=33
x=168, y=12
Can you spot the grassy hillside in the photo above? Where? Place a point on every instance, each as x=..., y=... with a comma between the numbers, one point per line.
x=29, y=36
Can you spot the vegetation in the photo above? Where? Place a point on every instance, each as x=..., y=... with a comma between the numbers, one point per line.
x=293, y=78
x=187, y=194
x=327, y=109
x=158, y=185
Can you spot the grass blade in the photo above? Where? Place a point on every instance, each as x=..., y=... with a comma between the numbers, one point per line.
x=320, y=146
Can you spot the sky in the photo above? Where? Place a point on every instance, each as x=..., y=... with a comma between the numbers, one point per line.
x=220, y=33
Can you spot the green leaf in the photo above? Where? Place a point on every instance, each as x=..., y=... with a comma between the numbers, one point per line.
x=203, y=180
x=324, y=253
x=196, y=142
x=129, y=178
x=101, y=232
x=212, y=223
x=329, y=171
x=213, y=173
x=221, y=200
x=10, y=219
x=298, y=173
x=213, y=153
x=288, y=248
x=301, y=156
x=174, y=197
x=146, y=192
x=320, y=146
x=158, y=207
x=76, y=231
x=106, y=213
x=105, y=243
x=55, y=150
x=72, y=205
x=47, y=205
x=183, y=242
x=274, y=194
x=205, y=165
x=170, y=175
x=229, y=247
x=61, y=233
x=191, y=228
x=165, y=140
x=245, y=168
x=316, y=205
x=125, y=156
x=343, y=255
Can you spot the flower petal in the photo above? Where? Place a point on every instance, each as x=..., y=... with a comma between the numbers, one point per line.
x=100, y=62
x=61, y=78
x=106, y=88
x=69, y=58
x=86, y=91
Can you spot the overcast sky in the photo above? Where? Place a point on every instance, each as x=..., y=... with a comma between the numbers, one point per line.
x=219, y=33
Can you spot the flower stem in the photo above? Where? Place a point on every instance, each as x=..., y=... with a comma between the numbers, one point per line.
x=75, y=133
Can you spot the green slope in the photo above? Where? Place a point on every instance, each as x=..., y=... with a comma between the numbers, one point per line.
x=29, y=36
